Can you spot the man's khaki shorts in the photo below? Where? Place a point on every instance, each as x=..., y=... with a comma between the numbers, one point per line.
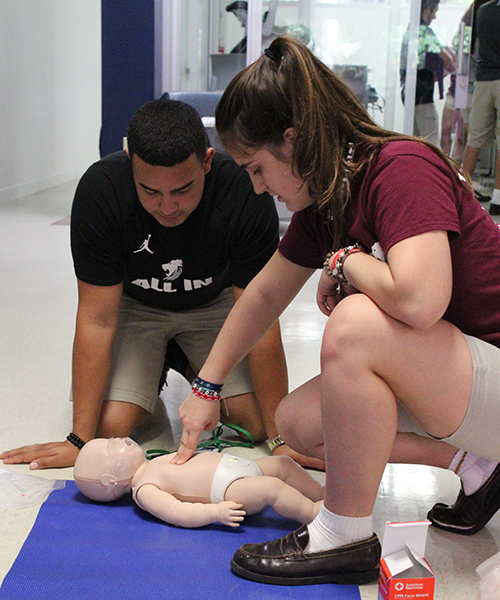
x=141, y=340
x=484, y=123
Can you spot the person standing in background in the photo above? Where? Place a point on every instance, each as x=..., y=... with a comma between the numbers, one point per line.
x=434, y=61
x=484, y=124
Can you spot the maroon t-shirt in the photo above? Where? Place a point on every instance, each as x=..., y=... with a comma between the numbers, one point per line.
x=406, y=191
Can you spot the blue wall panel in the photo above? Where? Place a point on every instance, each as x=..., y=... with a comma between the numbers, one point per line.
x=127, y=66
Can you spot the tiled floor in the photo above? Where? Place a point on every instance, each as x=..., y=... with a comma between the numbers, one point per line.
x=38, y=300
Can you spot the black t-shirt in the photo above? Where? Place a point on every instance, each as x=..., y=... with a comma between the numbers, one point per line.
x=226, y=240
x=488, y=37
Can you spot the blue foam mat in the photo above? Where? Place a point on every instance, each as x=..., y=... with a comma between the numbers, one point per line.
x=80, y=549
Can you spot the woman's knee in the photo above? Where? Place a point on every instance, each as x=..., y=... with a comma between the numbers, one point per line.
x=356, y=323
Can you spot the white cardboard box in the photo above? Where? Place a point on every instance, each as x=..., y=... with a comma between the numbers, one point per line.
x=404, y=572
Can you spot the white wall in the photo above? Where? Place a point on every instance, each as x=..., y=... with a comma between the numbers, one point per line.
x=50, y=92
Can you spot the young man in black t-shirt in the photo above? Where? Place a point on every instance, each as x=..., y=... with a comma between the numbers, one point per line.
x=164, y=238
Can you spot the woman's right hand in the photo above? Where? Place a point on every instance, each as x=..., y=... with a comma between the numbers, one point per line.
x=197, y=415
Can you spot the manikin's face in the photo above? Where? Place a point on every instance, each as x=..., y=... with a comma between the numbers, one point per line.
x=171, y=194
x=123, y=457
x=275, y=176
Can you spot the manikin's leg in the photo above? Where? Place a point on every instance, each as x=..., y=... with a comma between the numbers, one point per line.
x=255, y=493
x=286, y=469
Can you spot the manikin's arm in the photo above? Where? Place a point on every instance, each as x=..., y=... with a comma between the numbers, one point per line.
x=96, y=324
x=258, y=308
x=187, y=514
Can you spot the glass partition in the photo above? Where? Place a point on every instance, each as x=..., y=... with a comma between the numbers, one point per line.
x=359, y=40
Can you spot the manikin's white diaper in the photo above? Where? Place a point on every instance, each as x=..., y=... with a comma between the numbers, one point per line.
x=230, y=469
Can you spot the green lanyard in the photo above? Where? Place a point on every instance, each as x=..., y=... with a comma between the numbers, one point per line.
x=214, y=442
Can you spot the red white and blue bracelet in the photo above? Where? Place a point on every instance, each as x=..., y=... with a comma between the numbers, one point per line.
x=206, y=390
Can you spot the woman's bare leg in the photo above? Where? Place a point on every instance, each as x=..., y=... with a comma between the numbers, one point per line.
x=299, y=421
x=369, y=359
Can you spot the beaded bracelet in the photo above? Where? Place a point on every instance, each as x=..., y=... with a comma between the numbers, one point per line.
x=76, y=441
x=206, y=394
x=336, y=271
x=206, y=390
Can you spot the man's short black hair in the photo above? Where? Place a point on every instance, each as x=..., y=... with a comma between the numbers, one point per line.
x=166, y=133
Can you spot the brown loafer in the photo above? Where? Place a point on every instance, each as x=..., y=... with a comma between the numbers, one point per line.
x=284, y=562
x=469, y=514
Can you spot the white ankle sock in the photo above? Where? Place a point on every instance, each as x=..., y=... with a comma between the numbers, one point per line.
x=329, y=530
x=473, y=470
x=495, y=198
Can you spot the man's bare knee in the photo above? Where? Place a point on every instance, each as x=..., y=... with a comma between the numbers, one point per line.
x=244, y=412
x=119, y=419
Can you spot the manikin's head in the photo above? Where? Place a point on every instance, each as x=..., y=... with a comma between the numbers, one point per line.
x=104, y=468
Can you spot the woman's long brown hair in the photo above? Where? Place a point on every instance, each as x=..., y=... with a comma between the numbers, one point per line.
x=288, y=87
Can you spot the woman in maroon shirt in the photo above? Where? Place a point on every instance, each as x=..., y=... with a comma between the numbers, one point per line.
x=411, y=287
